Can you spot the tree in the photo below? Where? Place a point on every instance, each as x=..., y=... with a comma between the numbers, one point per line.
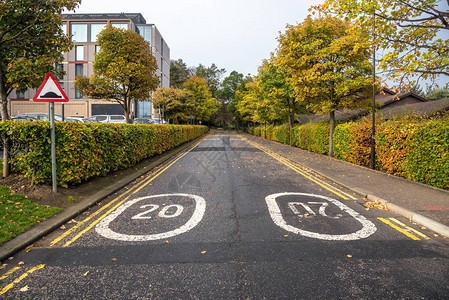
x=274, y=83
x=435, y=93
x=31, y=44
x=238, y=97
x=212, y=75
x=163, y=97
x=249, y=106
x=179, y=73
x=198, y=93
x=411, y=32
x=329, y=65
x=124, y=69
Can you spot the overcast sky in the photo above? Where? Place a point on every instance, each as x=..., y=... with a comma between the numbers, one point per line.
x=233, y=34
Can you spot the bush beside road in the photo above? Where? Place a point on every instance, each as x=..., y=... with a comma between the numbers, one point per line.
x=416, y=149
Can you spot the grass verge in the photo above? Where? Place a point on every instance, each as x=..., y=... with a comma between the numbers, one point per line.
x=18, y=214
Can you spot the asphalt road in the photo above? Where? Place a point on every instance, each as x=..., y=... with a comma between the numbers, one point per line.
x=229, y=219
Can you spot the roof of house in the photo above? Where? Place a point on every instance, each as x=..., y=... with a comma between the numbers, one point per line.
x=383, y=100
x=423, y=109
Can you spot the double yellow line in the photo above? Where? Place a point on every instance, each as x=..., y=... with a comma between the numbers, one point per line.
x=406, y=230
x=118, y=201
x=298, y=169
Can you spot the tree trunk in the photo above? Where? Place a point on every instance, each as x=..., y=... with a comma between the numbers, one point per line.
x=6, y=144
x=331, y=133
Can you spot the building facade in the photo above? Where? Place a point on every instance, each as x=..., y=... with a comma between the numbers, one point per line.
x=84, y=29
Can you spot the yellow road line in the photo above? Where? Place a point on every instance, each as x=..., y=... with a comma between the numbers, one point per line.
x=9, y=273
x=24, y=275
x=413, y=237
x=410, y=228
x=293, y=164
x=130, y=191
x=72, y=229
x=121, y=202
x=333, y=190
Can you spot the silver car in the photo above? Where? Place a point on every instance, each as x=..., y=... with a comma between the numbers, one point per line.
x=108, y=118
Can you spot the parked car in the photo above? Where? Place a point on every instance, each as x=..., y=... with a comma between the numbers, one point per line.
x=159, y=121
x=143, y=121
x=108, y=118
x=77, y=119
x=22, y=118
x=40, y=116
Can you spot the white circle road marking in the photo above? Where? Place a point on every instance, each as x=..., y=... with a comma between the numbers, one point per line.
x=103, y=229
x=368, y=227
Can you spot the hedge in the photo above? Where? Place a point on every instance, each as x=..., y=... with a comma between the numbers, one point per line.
x=416, y=149
x=87, y=150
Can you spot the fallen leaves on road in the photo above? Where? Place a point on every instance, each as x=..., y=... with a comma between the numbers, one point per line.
x=113, y=259
x=375, y=204
x=63, y=227
x=85, y=274
x=24, y=289
x=203, y=252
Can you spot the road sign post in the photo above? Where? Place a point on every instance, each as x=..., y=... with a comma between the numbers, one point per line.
x=50, y=91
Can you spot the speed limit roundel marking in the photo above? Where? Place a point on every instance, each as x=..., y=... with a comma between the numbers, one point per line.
x=104, y=230
x=368, y=227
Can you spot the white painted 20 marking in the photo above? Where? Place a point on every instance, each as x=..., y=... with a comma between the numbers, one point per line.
x=310, y=213
x=162, y=214
x=368, y=227
x=169, y=211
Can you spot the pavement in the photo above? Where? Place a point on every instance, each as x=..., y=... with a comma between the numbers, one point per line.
x=422, y=204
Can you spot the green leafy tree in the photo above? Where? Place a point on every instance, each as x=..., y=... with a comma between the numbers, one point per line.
x=412, y=33
x=212, y=75
x=124, y=69
x=198, y=93
x=250, y=105
x=329, y=65
x=179, y=73
x=31, y=44
x=240, y=90
x=162, y=99
x=436, y=93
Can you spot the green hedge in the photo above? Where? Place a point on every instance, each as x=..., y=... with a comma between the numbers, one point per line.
x=87, y=150
x=313, y=137
x=417, y=149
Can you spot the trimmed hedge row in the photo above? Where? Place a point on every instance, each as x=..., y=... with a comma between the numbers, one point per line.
x=411, y=148
x=87, y=150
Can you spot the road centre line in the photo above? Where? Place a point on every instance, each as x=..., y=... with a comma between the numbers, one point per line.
x=137, y=189
x=24, y=275
x=288, y=164
x=413, y=237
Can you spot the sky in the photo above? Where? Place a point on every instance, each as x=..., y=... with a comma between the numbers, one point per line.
x=233, y=34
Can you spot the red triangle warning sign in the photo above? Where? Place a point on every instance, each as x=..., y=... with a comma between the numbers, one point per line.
x=50, y=91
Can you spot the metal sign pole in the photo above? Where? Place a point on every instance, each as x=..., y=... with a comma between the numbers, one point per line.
x=53, y=145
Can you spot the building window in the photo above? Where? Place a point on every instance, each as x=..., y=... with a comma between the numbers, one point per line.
x=79, y=33
x=79, y=53
x=97, y=48
x=145, y=32
x=77, y=94
x=79, y=70
x=95, y=29
x=120, y=25
x=64, y=27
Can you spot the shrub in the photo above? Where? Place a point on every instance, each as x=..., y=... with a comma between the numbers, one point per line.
x=312, y=137
x=87, y=150
x=428, y=160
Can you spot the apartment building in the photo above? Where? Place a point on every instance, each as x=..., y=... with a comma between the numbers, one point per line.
x=84, y=29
